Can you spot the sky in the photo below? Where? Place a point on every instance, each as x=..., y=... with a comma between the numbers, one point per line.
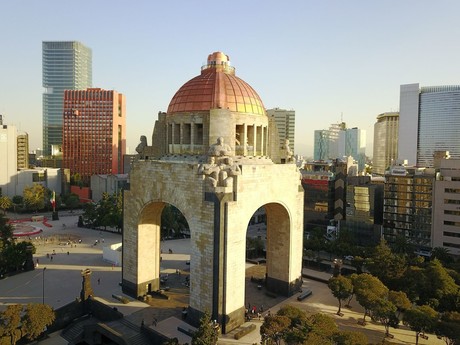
x=328, y=60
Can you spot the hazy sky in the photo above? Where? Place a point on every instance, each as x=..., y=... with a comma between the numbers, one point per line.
x=321, y=58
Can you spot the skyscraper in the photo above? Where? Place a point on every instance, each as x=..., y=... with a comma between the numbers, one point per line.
x=285, y=122
x=339, y=141
x=66, y=66
x=94, y=139
x=385, y=141
x=429, y=121
x=9, y=162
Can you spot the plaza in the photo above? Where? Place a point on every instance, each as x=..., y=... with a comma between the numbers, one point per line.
x=60, y=284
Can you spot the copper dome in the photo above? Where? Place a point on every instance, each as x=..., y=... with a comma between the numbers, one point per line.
x=216, y=87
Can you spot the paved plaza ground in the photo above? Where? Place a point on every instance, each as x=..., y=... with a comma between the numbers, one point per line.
x=61, y=282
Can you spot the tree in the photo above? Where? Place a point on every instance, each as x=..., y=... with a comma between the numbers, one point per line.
x=341, y=288
x=368, y=290
x=34, y=197
x=5, y=203
x=420, y=319
x=36, y=318
x=207, y=333
x=323, y=329
x=400, y=300
x=384, y=312
x=10, y=320
x=442, y=254
x=299, y=327
x=274, y=328
x=439, y=286
x=72, y=201
x=448, y=327
x=350, y=338
x=386, y=266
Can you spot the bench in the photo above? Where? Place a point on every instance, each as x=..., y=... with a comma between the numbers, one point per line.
x=304, y=295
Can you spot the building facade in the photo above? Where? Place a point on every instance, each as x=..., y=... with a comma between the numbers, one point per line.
x=352, y=142
x=9, y=160
x=429, y=121
x=446, y=206
x=285, y=122
x=23, y=150
x=385, y=142
x=67, y=65
x=94, y=136
x=407, y=209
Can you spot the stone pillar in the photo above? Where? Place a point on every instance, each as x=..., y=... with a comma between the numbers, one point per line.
x=172, y=137
x=254, y=143
x=192, y=138
x=262, y=148
x=219, y=302
x=245, y=140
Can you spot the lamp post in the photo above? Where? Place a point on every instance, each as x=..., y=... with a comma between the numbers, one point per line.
x=43, y=296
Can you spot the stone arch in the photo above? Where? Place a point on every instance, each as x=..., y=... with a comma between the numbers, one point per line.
x=149, y=235
x=278, y=245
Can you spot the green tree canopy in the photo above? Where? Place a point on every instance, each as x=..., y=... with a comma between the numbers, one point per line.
x=341, y=288
x=34, y=197
x=384, y=311
x=368, y=291
x=386, y=266
x=448, y=327
x=10, y=320
x=400, y=300
x=350, y=338
x=274, y=328
x=420, y=319
x=36, y=318
x=206, y=334
x=5, y=203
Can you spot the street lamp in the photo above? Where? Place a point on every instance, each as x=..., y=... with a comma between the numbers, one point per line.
x=43, y=299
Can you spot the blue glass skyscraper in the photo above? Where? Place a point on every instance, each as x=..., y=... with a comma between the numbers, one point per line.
x=66, y=66
x=429, y=121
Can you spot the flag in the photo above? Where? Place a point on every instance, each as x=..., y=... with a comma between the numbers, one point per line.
x=53, y=200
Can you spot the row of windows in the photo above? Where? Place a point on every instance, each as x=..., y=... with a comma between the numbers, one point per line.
x=451, y=234
x=450, y=201
x=452, y=212
x=452, y=245
x=452, y=190
x=448, y=222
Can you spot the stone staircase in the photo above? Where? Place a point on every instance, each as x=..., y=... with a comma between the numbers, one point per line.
x=130, y=331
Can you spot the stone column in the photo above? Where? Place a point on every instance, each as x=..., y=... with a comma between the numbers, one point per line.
x=245, y=140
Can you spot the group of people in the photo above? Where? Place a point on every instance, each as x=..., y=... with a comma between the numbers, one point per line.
x=252, y=312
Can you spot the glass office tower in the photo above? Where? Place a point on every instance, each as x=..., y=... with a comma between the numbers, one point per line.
x=429, y=121
x=439, y=123
x=66, y=66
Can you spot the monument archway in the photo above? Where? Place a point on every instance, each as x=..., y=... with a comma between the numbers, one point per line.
x=216, y=159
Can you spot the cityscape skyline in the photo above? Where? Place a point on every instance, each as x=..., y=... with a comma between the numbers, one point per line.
x=353, y=57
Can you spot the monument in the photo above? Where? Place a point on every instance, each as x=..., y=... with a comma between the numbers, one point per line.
x=215, y=156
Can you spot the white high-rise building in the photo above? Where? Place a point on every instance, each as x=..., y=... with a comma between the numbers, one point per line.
x=429, y=121
x=9, y=160
x=285, y=122
x=385, y=141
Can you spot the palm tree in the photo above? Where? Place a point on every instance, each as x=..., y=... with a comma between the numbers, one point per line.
x=5, y=203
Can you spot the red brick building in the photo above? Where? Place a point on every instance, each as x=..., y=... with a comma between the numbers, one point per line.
x=94, y=132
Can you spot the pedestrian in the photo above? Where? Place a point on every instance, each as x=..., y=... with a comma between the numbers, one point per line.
x=98, y=281
x=258, y=315
x=51, y=258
